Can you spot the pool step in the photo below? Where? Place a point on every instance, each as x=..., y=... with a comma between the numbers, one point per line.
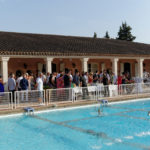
x=29, y=110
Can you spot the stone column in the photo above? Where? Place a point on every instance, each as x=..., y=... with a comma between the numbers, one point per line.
x=136, y=69
x=49, y=64
x=115, y=66
x=84, y=64
x=4, y=71
x=140, y=67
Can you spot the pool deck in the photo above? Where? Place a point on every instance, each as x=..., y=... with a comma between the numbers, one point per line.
x=70, y=104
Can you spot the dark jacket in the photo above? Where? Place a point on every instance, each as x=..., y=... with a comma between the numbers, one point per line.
x=66, y=81
x=83, y=80
x=24, y=84
x=105, y=80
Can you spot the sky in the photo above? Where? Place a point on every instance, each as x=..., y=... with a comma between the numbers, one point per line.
x=76, y=17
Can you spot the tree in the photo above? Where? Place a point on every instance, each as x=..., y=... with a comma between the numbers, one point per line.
x=107, y=35
x=125, y=33
x=95, y=35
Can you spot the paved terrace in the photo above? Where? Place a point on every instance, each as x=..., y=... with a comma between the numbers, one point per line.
x=78, y=103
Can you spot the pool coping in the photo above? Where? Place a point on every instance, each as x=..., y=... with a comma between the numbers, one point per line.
x=20, y=112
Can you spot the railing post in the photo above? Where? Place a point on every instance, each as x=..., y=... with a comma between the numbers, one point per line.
x=73, y=95
x=11, y=100
x=119, y=89
x=49, y=100
x=44, y=96
x=97, y=92
x=15, y=99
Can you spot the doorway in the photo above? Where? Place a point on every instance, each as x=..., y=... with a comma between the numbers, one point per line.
x=127, y=67
x=53, y=67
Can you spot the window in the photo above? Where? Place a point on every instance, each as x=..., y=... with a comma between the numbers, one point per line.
x=62, y=66
x=93, y=67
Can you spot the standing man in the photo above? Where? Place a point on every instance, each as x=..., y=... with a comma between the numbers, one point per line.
x=86, y=77
x=39, y=86
x=18, y=81
x=106, y=83
x=53, y=80
x=76, y=79
x=95, y=78
x=84, y=86
x=67, y=84
x=47, y=78
x=67, y=79
x=24, y=87
x=44, y=78
x=12, y=84
x=24, y=83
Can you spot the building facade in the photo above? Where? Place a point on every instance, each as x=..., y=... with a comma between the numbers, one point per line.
x=53, y=53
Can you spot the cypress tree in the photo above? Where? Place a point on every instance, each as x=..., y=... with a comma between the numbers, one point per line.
x=95, y=35
x=107, y=35
x=125, y=33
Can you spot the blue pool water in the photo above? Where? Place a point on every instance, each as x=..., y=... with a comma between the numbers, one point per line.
x=121, y=126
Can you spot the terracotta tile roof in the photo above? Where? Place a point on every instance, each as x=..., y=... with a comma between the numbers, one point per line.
x=42, y=44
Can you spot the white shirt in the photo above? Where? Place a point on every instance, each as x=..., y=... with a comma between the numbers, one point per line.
x=86, y=78
x=39, y=84
x=18, y=81
x=145, y=75
x=71, y=77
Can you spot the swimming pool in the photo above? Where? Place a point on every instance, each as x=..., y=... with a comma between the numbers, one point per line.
x=121, y=126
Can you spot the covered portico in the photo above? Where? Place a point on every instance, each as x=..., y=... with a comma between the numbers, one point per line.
x=55, y=64
x=54, y=53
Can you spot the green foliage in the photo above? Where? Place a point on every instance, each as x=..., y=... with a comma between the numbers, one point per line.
x=125, y=33
x=95, y=35
x=107, y=35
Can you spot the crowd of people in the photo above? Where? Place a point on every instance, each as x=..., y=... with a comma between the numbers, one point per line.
x=146, y=76
x=66, y=79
